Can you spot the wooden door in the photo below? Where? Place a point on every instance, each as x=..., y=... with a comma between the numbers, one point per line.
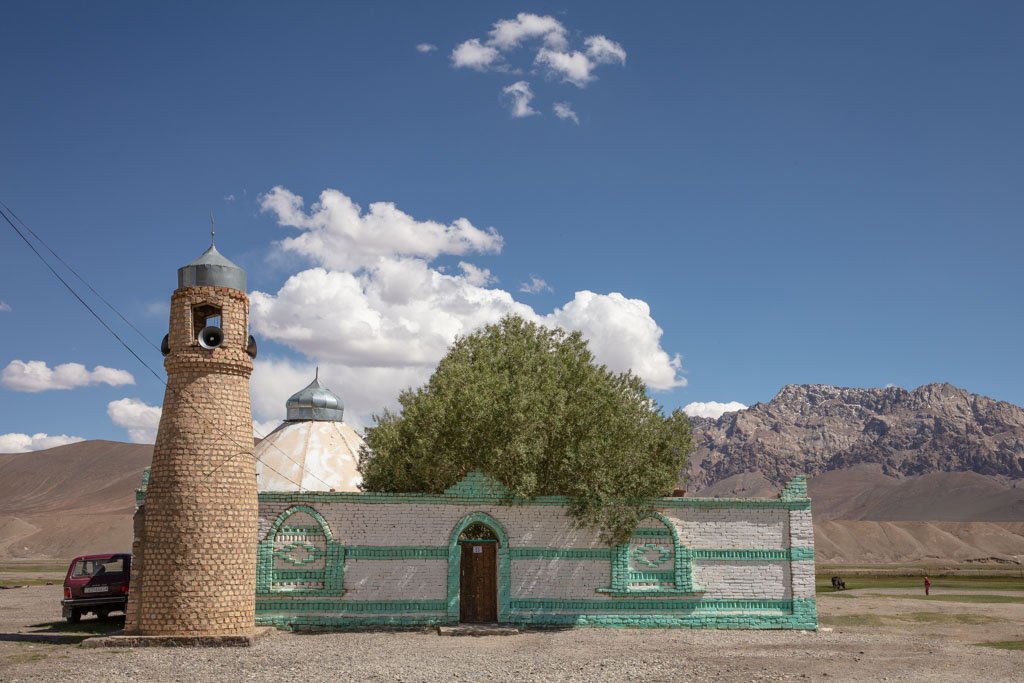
x=478, y=583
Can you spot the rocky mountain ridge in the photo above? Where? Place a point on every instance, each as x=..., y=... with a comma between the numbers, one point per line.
x=816, y=428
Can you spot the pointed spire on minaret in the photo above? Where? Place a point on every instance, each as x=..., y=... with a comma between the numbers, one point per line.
x=213, y=232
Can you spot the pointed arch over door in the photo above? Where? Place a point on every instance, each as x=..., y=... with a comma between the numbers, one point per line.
x=455, y=562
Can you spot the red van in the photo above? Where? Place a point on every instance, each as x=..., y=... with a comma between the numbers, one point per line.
x=97, y=584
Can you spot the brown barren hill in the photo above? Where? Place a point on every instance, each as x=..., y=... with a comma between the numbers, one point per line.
x=69, y=500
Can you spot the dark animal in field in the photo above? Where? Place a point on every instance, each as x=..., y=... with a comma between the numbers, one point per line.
x=838, y=584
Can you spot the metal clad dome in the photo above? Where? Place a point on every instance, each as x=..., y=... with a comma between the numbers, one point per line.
x=212, y=270
x=313, y=450
x=315, y=402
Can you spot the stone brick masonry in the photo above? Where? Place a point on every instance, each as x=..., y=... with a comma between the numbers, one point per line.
x=196, y=557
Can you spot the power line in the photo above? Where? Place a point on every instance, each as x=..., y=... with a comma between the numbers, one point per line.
x=66, y=265
x=135, y=355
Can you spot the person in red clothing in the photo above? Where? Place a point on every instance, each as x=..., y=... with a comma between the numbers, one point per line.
x=927, y=585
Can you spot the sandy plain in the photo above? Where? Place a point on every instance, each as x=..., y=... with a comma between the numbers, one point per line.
x=868, y=634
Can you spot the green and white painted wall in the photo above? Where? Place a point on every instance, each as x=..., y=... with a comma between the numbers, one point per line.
x=353, y=560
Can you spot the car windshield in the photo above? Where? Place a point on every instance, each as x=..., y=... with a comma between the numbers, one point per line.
x=84, y=568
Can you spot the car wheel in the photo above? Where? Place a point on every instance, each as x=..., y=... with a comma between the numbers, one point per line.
x=74, y=617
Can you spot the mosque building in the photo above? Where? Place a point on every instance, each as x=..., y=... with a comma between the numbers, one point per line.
x=320, y=553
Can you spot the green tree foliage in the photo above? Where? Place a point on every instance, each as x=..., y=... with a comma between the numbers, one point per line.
x=528, y=406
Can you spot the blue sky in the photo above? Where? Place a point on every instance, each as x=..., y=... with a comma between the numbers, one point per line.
x=797, y=192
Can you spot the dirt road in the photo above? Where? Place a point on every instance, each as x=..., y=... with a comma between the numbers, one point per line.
x=877, y=635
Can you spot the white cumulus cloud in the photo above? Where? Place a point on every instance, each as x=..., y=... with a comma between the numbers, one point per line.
x=509, y=33
x=536, y=285
x=138, y=418
x=520, y=95
x=35, y=375
x=549, y=44
x=4, y=307
x=425, y=47
x=337, y=233
x=472, y=54
x=23, y=443
x=572, y=67
x=623, y=335
x=563, y=110
x=712, y=409
x=377, y=322
x=604, y=51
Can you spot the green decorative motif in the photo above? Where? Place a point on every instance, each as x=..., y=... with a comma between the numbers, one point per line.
x=627, y=579
x=328, y=580
x=641, y=556
x=290, y=555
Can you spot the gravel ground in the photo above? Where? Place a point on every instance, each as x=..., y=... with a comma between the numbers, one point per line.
x=36, y=646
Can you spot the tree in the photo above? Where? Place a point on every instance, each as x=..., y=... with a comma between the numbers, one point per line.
x=528, y=406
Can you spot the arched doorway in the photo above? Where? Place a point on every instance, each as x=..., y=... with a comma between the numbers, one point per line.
x=478, y=574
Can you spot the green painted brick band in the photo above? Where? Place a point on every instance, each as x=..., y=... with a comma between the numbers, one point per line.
x=649, y=605
x=301, y=530
x=561, y=553
x=753, y=554
x=661, y=577
x=801, y=553
x=351, y=606
x=369, y=552
x=803, y=616
x=307, y=623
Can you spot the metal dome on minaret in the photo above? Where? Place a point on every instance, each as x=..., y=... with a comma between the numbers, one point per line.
x=212, y=269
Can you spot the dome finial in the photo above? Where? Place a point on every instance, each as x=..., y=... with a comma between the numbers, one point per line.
x=213, y=232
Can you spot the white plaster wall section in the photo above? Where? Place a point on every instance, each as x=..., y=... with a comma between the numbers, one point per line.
x=559, y=579
x=413, y=579
x=743, y=580
x=413, y=524
x=724, y=528
x=801, y=528
x=803, y=579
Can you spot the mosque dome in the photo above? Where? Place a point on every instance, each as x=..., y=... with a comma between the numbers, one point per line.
x=212, y=269
x=315, y=402
x=313, y=449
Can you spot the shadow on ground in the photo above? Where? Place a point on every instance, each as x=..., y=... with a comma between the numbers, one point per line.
x=63, y=633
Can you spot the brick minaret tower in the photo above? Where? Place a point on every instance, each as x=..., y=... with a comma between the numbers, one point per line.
x=195, y=564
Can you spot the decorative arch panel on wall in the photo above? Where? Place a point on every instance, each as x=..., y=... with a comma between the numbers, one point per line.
x=300, y=556
x=654, y=561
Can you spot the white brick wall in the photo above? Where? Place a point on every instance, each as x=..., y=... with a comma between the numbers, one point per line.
x=396, y=579
x=408, y=524
x=729, y=579
x=724, y=528
x=559, y=578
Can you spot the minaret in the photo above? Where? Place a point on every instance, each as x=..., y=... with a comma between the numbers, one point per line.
x=196, y=572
